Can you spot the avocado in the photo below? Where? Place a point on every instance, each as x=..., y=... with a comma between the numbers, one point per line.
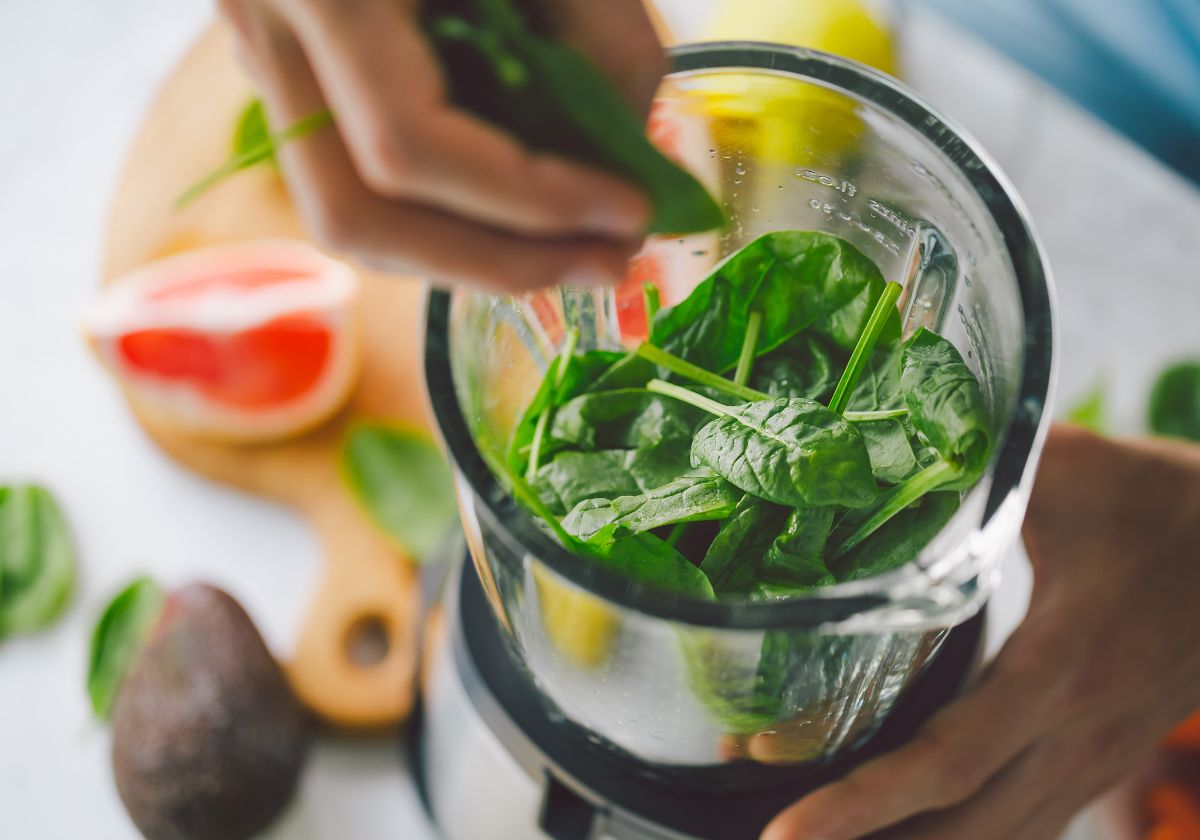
x=208, y=738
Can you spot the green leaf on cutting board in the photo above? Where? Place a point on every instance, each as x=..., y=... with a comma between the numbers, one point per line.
x=251, y=147
x=37, y=559
x=1175, y=402
x=403, y=483
x=120, y=634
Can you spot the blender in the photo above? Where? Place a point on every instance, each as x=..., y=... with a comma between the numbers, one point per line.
x=563, y=700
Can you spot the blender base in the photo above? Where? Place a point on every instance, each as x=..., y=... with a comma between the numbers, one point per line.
x=491, y=765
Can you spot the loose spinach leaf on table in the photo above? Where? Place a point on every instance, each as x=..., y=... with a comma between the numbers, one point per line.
x=117, y=640
x=1175, y=402
x=37, y=559
x=628, y=418
x=795, y=279
x=793, y=452
x=574, y=476
x=795, y=557
x=742, y=541
x=651, y=561
x=806, y=366
x=699, y=495
x=946, y=404
x=403, y=483
x=899, y=540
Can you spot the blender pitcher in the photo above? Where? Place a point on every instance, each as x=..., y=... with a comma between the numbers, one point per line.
x=740, y=695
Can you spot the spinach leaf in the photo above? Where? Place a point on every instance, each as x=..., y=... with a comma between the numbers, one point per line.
x=499, y=66
x=742, y=541
x=892, y=456
x=629, y=371
x=806, y=366
x=579, y=371
x=251, y=148
x=882, y=314
x=878, y=388
x=651, y=561
x=793, y=452
x=624, y=419
x=574, y=476
x=1175, y=402
x=899, y=540
x=794, y=558
x=1091, y=411
x=37, y=560
x=796, y=279
x=119, y=636
x=253, y=133
x=699, y=495
x=400, y=479
x=946, y=404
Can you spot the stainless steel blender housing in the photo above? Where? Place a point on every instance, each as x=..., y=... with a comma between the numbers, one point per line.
x=672, y=686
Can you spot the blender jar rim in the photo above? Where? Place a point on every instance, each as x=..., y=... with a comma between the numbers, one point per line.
x=1021, y=439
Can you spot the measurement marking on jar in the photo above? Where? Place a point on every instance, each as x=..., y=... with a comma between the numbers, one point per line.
x=839, y=184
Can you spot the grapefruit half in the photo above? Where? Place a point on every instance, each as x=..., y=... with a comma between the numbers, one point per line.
x=252, y=341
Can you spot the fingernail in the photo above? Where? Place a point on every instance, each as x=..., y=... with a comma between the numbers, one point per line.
x=589, y=277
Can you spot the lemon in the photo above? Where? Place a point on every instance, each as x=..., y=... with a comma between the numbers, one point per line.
x=774, y=119
x=842, y=27
x=579, y=624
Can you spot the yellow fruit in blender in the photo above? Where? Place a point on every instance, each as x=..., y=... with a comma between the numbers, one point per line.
x=578, y=623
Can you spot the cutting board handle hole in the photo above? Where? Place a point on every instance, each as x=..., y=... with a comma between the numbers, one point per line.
x=368, y=641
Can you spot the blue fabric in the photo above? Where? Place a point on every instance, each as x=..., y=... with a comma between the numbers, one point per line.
x=1133, y=63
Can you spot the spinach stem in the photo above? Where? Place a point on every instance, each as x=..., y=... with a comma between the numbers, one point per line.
x=866, y=344
x=749, y=344
x=676, y=533
x=880, y=414
x=253, y=155
x=872, y=518
x=524, y=494
x=569, y=344
x=690, y=397
x=560, y=373
x=535, y=446
x=697, y=374
x=652, y=302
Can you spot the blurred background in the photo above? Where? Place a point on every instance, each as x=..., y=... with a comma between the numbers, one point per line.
x=1095, y=118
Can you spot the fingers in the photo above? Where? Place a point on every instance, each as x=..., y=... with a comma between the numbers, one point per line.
x=347, y=217
x=619, y=39
x=949, y=760
x=381, y=78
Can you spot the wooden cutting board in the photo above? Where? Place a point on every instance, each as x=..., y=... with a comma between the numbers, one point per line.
x=365, y=582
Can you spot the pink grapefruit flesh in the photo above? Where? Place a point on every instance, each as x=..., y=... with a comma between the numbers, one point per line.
x=253, y=341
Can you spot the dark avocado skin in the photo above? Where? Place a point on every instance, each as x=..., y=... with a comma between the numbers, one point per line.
x=208, y=739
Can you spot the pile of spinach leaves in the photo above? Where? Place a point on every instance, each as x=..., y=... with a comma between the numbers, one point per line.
x=778, y=403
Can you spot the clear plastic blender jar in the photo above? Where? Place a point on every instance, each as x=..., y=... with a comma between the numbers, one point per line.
x=787, y=139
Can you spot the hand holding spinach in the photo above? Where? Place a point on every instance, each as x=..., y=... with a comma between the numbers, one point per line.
x=511, y=160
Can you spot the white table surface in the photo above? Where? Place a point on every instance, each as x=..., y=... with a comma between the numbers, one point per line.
x=1123, y=236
